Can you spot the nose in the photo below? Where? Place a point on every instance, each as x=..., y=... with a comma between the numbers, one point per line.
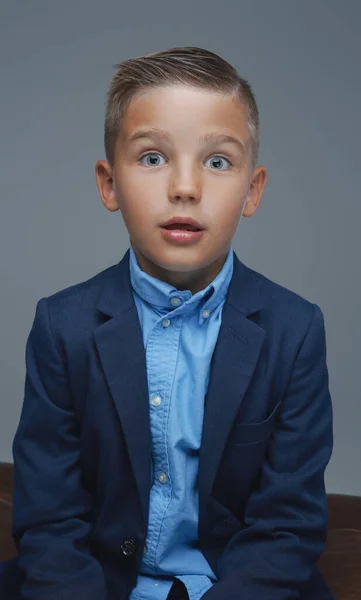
x=185, y=185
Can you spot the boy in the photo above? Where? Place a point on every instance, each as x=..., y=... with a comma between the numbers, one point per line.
x=177, y=420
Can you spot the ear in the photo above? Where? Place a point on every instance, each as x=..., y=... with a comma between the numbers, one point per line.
x=105, y=185
x=256, y=188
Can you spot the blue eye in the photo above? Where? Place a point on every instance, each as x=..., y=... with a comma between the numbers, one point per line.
x=152, y=160
x=152, y=156
x=217, y=162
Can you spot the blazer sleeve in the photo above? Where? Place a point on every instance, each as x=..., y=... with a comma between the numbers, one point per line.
x=273, y=556
x=51, y=509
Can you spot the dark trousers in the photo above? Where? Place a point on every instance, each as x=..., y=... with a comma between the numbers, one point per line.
x=178, y=591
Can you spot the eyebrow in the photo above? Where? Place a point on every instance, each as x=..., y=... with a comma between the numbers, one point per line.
x=207, y=139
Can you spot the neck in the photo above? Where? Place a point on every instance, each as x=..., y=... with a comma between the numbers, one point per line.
x=195, y=281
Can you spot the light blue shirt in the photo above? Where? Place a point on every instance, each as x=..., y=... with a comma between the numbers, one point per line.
x=180, y=331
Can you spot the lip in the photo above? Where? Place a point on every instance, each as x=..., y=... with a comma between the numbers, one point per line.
x=181, y=236
x=183, y=221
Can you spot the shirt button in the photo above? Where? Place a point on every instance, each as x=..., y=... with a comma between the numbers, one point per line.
x=166, y=323
x=156, y=400
x=206, y=314
x=162, y=477
x=175, y=301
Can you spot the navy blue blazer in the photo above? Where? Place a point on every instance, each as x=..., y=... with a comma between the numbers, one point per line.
x=82, y=451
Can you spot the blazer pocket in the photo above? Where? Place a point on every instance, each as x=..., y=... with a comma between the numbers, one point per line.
x=253, y=433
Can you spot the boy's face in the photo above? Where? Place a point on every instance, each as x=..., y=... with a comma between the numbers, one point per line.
x=172, y=170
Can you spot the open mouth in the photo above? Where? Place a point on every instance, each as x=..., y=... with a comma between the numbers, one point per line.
x=181, y=232
x=181, y=227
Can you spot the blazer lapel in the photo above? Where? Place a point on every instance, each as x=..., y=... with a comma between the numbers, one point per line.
x=120, y=345
x=234, y=360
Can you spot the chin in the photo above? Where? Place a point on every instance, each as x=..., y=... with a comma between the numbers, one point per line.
x=176, y=259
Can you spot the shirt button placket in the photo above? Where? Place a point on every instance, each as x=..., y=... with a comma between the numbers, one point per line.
x=156, y=400
x=162, y=478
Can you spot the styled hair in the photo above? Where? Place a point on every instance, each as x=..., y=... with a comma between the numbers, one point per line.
x=188, y=66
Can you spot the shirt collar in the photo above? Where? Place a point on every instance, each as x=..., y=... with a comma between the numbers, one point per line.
x=164, y=297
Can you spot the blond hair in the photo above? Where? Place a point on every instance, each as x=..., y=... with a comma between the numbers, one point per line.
x=188, y=66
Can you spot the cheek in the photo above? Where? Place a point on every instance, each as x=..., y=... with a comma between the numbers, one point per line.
x=227, y=223
x=138, y=181
x=224, y=210
x=138, y=201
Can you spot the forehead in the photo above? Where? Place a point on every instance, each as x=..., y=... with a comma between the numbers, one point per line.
x=184, y=110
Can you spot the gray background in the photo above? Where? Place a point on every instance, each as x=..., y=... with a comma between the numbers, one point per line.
x=302, y=59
